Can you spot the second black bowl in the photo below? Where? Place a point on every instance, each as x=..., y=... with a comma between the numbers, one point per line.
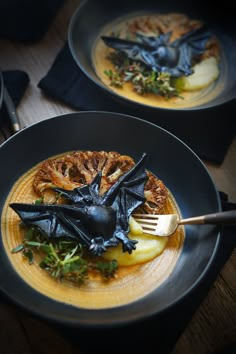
x=97, y=15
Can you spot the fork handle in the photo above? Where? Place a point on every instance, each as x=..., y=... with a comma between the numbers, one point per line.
x=222, y=218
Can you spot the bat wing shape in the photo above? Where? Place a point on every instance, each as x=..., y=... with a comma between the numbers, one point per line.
x=161, y=55
x=55, y=221
x=190, y=46
x=96, y=221
x=125, y=196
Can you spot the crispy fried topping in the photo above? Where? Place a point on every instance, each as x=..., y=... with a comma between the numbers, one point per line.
x=155, y=193
x=175, y=23
x=79, y=168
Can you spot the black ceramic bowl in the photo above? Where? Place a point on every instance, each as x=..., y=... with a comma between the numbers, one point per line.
x=92, y=17
x=168, y=157
x=1, y=89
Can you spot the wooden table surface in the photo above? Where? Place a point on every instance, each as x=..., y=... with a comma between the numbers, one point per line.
x=213, y=326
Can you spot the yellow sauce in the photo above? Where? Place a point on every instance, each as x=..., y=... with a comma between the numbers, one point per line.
x=101, y=63
x=131, y=282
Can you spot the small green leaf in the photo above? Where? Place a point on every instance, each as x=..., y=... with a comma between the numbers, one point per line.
x=18, y=248
x=39, y=201
x=33, y=243
x=45, y=248
x=27, y=253
x=107, y=269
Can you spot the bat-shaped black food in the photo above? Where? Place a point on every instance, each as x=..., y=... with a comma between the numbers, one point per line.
x=97, y=221
x=161, y=55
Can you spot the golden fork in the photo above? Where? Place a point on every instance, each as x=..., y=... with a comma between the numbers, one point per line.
x=166, y=225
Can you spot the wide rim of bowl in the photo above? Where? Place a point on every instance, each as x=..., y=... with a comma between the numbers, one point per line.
x=114, y=321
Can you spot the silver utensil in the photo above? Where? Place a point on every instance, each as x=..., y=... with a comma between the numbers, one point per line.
x=6, y=99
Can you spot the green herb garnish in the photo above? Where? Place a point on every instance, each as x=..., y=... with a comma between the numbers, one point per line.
x=144, y=81
x=63, y=259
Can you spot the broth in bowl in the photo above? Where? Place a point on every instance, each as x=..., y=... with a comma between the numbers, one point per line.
x=160, y=60
x=37, y=224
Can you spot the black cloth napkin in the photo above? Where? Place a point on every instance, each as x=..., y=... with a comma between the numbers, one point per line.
x=27, y=20
x=208, y=132
x=158, y=335
x=16, y=82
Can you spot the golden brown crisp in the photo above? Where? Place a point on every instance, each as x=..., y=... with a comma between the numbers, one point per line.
x=175, y=23
x=80, y=167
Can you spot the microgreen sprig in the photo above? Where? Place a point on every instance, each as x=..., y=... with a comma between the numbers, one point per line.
x=64, y=259
x=144, y=81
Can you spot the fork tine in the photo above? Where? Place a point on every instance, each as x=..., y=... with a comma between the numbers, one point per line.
x=158, y=225
x=146, y=216
x=143, y=221
x=148, y=222
x=149, y=231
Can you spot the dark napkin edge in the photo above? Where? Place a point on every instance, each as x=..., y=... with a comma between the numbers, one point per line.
x=51, y=83
x=16, y=82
